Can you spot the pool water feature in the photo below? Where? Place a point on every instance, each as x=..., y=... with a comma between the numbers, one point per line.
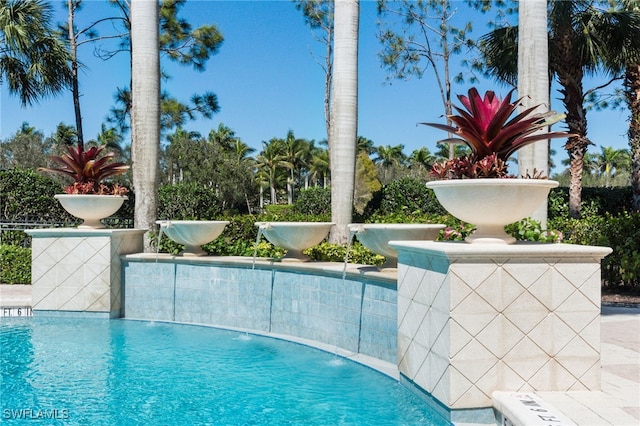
x=92, y=371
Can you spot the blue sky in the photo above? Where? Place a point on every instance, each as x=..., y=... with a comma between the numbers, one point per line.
x=267, y=82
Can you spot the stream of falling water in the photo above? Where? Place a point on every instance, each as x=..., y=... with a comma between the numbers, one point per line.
x=261, y=228
x=163, y=224
x=353, y=230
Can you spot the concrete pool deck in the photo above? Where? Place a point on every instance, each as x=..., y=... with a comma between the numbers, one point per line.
x=616, y=404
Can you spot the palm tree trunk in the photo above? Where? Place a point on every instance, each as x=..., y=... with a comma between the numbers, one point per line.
x=344, y=116
x=632, y=83
x=570, y=76
x=75, y=89
x=533, y=84
x=145, y=112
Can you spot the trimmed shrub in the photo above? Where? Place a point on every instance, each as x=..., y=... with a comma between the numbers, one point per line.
x=25, y=194
x=594, y=201
x=314, y=201
x=327, y=252
x=15, y=264
x=404, y=196
x=622, y=267
x=188, y=202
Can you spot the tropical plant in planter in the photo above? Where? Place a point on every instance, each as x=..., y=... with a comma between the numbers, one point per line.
x=477, y=188
x=89, y=197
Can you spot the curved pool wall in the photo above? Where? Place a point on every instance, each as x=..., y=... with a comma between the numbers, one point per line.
x=357, y=314
x=460, y=321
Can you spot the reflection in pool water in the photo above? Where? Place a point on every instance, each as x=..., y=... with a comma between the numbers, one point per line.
x=86, y=371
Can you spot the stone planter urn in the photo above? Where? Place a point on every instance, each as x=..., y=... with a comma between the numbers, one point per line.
x=192, y=234
x=491, y=204
x=294, y=236
x=91, y=208
x=376, y=237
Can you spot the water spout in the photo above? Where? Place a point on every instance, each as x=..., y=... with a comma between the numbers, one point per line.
x=261, y=227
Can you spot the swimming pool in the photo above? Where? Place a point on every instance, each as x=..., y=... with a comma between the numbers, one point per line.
x=119, y=372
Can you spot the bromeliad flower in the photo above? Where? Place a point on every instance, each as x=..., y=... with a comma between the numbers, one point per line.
x=484, y=124
x=88, y=170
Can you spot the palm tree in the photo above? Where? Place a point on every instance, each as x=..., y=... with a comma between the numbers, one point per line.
x=270, y=162
x=65, y=135
x=111, y=138
x=365, y=145
x=34, y=63
x=421, y=158
x=319, y=166
x=582, y=40
x=145, y=112
x=389, y=159
x=223, y=136
x=632, y=94
x=610, y=161
x=295, y=152
x=344, y=116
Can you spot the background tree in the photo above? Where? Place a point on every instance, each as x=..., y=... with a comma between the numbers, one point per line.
x=631, y=86
x=390, y=162
x=178, y=41
x=230, y=169
x=632, y=94
x=185, y=155
x=610, y=162
x=367, y=182
x=26, y=149
x=65, y=135
x=296, y=152
x=33, y=61
x=318, y=14
x=319, y=167
x=583, y=39
x=271, y=163
x=421, y=35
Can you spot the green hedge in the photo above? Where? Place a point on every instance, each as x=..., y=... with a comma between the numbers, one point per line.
x=25, y=194
x=615, y=201
x=188, y=202
x=314, y=201
x=605, y=222
x=15, y=264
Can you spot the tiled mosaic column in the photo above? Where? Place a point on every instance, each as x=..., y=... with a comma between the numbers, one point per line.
x=473, y=319
x=78, y=270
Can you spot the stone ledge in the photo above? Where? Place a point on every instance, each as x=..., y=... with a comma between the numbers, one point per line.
x=526, y=409
x=523, y=250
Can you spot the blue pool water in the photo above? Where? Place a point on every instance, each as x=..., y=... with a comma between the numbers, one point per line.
x=119, y=372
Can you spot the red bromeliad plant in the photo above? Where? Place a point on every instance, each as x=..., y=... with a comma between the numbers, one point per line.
x=492, y=137
x=88, y=170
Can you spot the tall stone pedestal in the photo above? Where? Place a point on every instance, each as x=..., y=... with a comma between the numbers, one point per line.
x=78, y=270
x=473, y=319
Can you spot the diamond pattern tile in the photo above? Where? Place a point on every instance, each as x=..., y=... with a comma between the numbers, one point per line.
x=473, y=273
x=553, y=326
x=526, y=312
x=473, y=361
x=501, y=290
x=80, y=273
x=509, y=318
x=500, y=335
